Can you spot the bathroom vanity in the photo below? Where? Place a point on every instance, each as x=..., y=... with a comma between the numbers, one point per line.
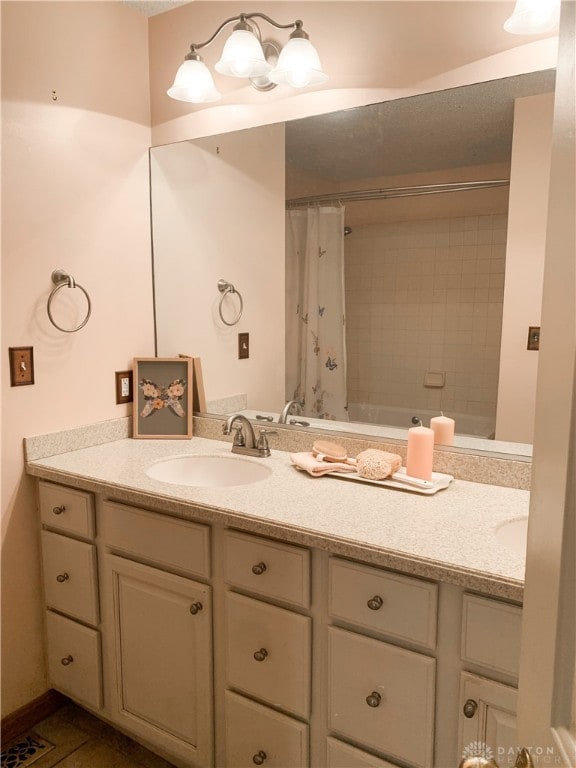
x=288, y=622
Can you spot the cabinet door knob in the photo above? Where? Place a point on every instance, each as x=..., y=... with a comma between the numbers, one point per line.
x=261, y=654
x=374, y=699
x=59, y=510
x=258, y=569
x=375, y=603
x=259, y=757
x=62, y=577
x=470, y=708
x=66, y=660
x=195, y=608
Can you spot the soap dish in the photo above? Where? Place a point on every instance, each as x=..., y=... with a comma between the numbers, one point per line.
x=439, y=481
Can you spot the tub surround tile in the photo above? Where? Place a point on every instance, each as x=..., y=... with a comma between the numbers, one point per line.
x=447, y=536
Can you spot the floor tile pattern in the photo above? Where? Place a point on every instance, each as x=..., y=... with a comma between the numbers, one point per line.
x=77, y=739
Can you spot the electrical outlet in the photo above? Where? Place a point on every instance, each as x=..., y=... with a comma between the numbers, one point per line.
x=243, y=346
x=21, y=366
x=124, y=391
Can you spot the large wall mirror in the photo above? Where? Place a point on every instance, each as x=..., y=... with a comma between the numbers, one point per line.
x=411, y=199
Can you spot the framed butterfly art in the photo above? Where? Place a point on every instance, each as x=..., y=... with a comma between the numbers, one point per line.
x=163, y=389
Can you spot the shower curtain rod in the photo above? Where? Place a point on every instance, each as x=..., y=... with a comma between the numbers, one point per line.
x=391, y=192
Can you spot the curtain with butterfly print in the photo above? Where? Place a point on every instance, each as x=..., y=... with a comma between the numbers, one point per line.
x=315, y=317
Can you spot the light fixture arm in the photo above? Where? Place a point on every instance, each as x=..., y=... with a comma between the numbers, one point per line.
x=242, y=19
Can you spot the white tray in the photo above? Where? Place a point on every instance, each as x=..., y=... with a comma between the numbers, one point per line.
x=439, y=481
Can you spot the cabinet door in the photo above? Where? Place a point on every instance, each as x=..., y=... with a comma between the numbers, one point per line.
x=70, y=583
x=162, y=629
x=268, y=653
x=74, y=660
x=382, y=696
x=487, y=719
x=256, y=735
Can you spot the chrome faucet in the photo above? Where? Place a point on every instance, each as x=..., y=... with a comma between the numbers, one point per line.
x=282, y=419
x=244, y=439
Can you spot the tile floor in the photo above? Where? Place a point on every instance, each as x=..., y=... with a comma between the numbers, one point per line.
x=83, y=741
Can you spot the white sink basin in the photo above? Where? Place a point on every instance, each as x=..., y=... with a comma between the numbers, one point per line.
x=512, y=535
x=208, y=471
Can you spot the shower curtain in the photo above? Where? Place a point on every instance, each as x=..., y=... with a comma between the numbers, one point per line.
x=315, y=319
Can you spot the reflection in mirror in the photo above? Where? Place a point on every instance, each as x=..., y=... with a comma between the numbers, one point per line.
x=422, y=270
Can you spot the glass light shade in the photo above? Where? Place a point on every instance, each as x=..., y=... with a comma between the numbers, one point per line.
x=243, y=56
x=193, y=83
x=532, y=17
x=298, y=65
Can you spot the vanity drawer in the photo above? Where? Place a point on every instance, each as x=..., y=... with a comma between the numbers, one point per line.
x=268, y=568
x=341, y=755
x=70, y=582
x=491, y=633
x=381, y=696
x=160, y=539
x=395, y=605
x=74, y=659
x=66, y=509
x=255, y=733
x=268, y=653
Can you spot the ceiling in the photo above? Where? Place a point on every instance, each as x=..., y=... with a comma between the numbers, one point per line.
x=153, y=7
x=454, y=128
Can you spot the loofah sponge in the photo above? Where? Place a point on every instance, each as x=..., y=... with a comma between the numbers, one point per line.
x=374, y=464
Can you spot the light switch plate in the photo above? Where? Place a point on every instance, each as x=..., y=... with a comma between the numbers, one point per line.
x=533, y=338
x=243, y=346
x=21, y=366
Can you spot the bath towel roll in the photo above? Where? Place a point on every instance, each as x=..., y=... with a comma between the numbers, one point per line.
x=374, y=464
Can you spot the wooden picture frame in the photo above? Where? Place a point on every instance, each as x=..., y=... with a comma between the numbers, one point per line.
x=198, y=394
x=163, y=388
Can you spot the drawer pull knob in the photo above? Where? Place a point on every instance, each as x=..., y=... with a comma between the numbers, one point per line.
x=195, y=608
x=375, y=603
x=258, y=569
x=62, y=577
x=261, y=654
x=470, y=708
x=374, y=699
x=259, y=757
x=67, y=660
x=59, y=510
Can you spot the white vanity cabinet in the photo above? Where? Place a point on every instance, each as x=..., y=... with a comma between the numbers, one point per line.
x=268, y=652
x=222, y=648
x=69, y=564
x=491, y=632
x=381, y=695
x=159, y=630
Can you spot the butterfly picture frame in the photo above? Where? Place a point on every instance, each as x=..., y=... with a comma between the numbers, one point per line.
x=163, y=389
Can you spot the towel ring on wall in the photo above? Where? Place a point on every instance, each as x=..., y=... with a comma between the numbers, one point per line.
x=60, y=280
x=225, y=288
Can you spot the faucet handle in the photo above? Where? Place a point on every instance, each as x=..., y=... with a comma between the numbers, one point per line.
x=262, y=444
x=239, y=439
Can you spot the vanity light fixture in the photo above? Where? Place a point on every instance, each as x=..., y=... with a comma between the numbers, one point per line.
x=533, y=17
x=245, y=55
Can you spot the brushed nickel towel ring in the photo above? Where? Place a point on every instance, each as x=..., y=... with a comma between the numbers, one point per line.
x=225, y=288
x=60, y=280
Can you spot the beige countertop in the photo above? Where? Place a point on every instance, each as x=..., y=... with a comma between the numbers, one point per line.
x=447, y=536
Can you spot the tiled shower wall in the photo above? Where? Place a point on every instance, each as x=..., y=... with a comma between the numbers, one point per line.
x=426, y=296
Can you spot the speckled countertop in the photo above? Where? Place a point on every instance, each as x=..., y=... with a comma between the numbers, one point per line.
x=448, y=536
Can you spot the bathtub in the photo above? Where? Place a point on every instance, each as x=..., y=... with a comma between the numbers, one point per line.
x=476, y=426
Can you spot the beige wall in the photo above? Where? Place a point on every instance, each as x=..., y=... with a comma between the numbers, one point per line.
x=218, y=212
x=74, y=195
x=373, y=51
x=527, y=222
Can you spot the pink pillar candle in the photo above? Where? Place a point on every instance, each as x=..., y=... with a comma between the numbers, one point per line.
x=443, y=428
x=420, y=453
